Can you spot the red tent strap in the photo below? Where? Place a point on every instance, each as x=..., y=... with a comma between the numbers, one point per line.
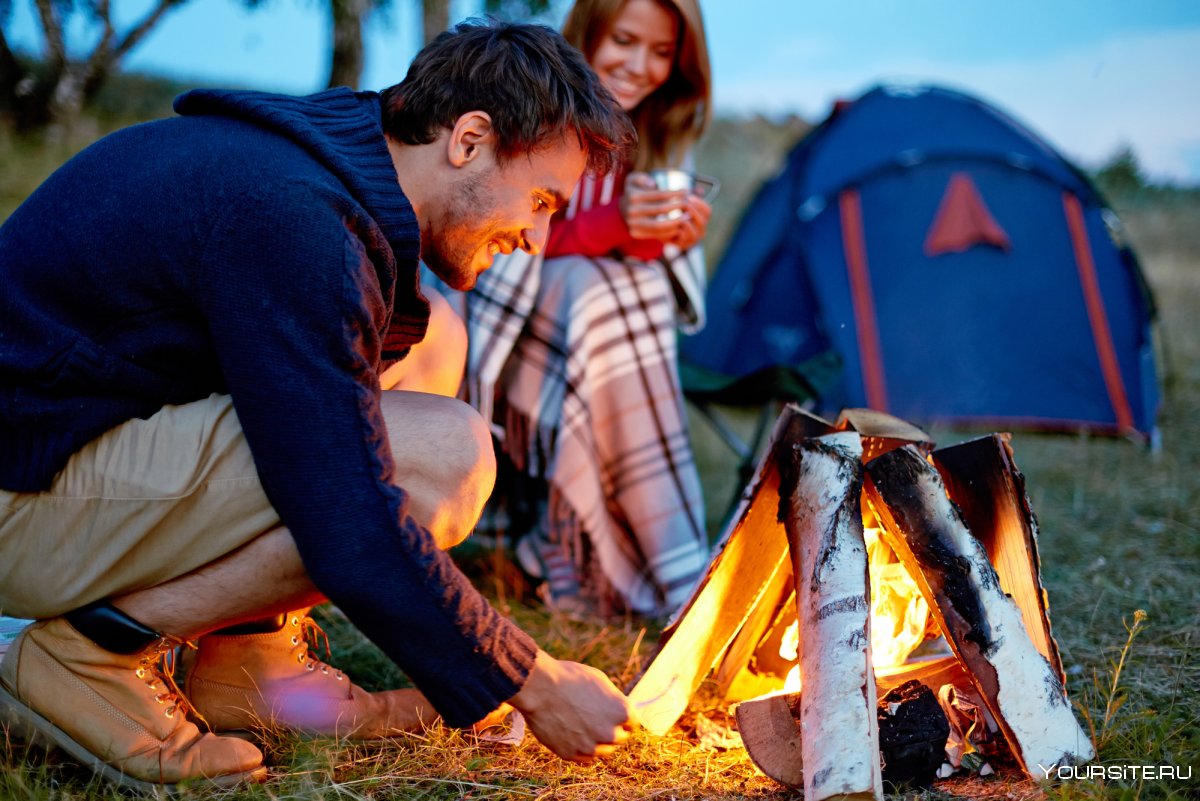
x=870, y=349
x=1110, y=367
x=963, y=220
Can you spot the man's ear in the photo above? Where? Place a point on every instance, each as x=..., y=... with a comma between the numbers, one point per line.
x=471, y=135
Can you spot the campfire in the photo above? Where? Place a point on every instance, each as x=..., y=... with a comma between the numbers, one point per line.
x=876, y=608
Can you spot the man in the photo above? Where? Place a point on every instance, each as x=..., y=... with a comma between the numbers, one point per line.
x=194, y=314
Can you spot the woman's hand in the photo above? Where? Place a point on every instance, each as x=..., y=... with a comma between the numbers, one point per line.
x=693, y=224
x=646, y=208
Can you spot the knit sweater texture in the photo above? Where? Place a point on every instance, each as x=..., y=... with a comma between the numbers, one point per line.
x=261, y=246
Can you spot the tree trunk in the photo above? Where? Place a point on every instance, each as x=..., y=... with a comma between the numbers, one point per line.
x=15, y=84
x=346, y=62
x=57, y=98
x=435, y=17
x=67, y=99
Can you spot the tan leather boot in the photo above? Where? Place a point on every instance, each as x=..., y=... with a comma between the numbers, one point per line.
x=248, y=681
x=117, y=714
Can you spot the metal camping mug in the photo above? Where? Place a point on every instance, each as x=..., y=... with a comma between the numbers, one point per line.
x=674, y=180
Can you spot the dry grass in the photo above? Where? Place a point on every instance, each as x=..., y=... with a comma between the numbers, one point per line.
x=1120, y=533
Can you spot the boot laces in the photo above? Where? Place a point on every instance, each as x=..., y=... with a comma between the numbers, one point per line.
x=308, y=631
x=156, y=667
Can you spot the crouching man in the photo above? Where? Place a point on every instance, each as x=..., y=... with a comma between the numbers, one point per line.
x=194, y=444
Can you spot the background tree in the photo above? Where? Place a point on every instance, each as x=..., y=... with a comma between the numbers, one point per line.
x=435, y=18
x=347, y=55
x=348, y=18
x=1121, y=175
x=52, y=90
x=436, y=13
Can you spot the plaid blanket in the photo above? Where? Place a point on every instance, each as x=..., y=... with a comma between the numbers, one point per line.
x=575, y=358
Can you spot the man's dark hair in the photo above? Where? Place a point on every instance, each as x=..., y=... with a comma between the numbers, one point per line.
x=535, y=86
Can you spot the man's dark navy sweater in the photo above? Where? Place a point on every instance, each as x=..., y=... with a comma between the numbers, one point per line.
x=260, y=246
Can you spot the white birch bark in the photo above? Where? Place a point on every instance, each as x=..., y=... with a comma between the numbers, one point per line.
x=821, y=510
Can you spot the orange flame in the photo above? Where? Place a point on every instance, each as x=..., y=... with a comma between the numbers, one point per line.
x=899, y=613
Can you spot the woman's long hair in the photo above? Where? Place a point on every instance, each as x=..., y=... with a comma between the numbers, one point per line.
x=673, y=118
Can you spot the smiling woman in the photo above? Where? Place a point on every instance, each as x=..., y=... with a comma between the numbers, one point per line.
x=653, y=56
x=635, y=56
x=572, y=352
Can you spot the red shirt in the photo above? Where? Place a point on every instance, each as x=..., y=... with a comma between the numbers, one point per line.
x=592, y=224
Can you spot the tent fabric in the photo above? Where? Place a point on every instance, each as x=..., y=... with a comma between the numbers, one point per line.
x=923, y=254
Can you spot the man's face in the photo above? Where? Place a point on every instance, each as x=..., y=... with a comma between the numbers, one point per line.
x=493, y=208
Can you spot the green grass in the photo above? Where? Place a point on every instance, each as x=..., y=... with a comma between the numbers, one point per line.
x=1120, y=532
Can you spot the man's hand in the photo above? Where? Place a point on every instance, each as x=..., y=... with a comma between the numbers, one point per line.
x=573, y=709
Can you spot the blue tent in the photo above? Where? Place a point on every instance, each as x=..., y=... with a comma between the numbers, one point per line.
x=923, y=254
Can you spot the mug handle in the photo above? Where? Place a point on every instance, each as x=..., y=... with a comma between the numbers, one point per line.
x=706, y=187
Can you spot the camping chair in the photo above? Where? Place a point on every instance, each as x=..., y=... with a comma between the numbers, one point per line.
x=745, y=449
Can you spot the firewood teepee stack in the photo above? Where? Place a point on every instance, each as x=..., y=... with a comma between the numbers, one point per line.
x=960, y=523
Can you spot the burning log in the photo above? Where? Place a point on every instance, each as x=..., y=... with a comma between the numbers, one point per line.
x=820, y=506
x=753, y=551
x=1021, y=688
x=983, y=480
x=752, y=665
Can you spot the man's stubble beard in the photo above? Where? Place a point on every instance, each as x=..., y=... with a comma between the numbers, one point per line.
x=453, y=260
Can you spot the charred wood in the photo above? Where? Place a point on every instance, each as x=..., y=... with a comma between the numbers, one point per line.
x=912, y=735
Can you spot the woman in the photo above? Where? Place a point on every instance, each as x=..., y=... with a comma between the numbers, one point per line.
x=576, y=347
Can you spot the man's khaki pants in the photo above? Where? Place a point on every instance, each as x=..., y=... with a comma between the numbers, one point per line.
x=143, y=503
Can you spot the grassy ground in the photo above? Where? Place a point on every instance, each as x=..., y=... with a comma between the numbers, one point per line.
x=1119, y=534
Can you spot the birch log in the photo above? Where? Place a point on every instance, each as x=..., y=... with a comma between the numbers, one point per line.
x=820, y=495
x=770, y=729
x=982, y=479
x=983, y=625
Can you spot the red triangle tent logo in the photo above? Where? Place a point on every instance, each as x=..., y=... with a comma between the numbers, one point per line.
x=963, y=220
